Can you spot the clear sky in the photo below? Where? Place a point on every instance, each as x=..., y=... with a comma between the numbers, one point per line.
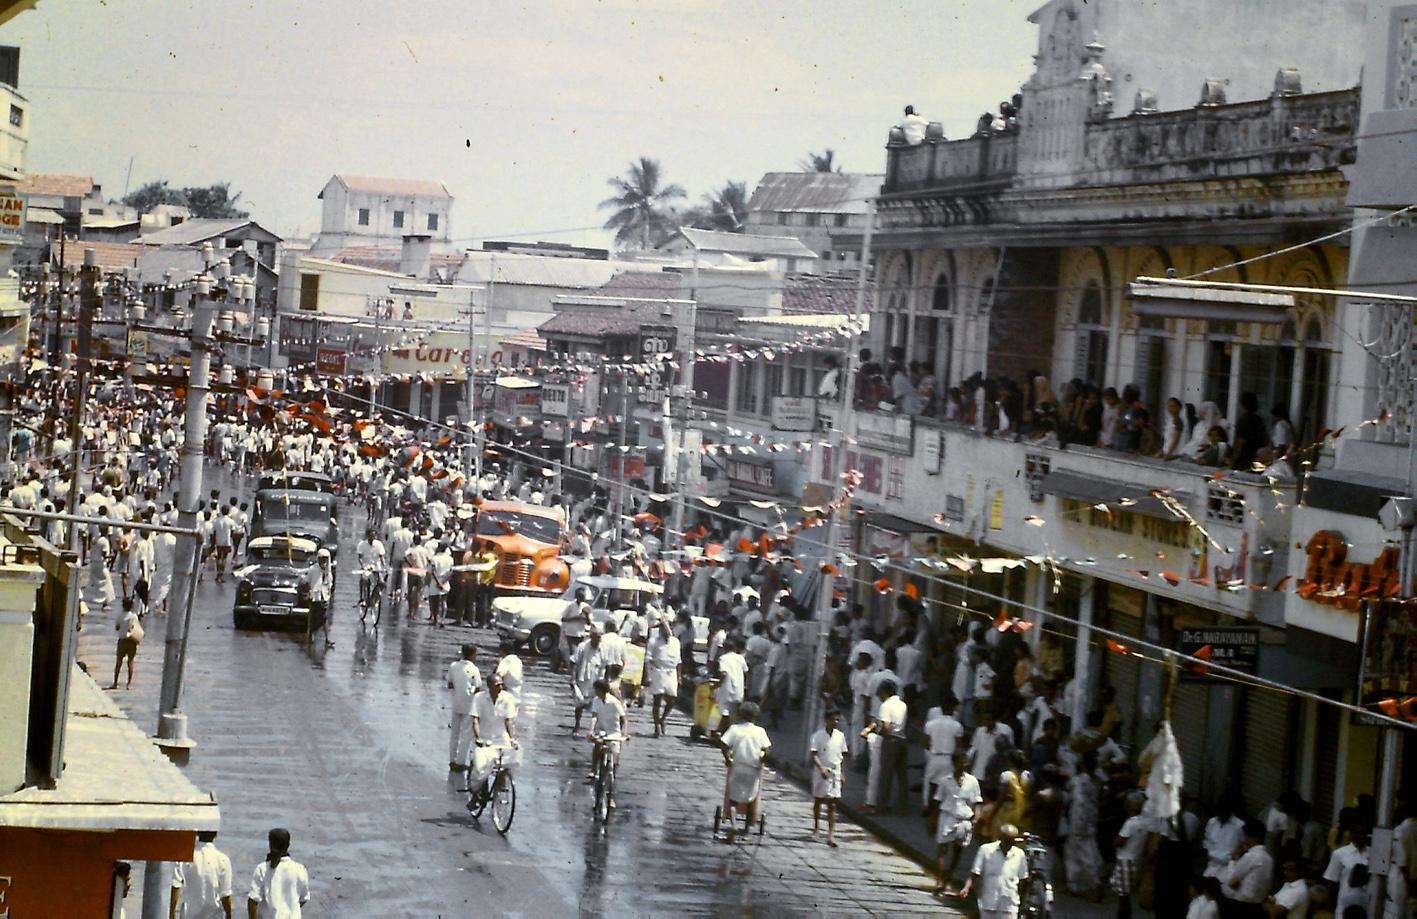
x=522, y=109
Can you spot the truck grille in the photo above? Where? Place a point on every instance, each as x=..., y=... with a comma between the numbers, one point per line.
x=517, y=572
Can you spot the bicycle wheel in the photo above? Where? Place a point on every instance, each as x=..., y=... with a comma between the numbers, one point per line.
x=504, y=802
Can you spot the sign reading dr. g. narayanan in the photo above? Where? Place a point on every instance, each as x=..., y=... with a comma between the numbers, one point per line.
x=12, y=215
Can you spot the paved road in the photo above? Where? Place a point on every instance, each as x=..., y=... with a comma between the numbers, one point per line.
x=348, y=749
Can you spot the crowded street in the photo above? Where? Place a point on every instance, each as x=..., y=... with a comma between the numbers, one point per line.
x=345, y=746
x=704, y=457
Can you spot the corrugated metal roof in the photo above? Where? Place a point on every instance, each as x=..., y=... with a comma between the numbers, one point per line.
x=53, y=183
x=42, y=215
x=535, y=271
x=109, y=223
x=815, y=192
x=746, y=244
x=382, y=185
x=196, y=230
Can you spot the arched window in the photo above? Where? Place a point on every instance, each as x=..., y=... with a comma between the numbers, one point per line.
x=934, y=332
x=1090, y=337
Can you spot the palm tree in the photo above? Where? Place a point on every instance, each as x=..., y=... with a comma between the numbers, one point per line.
x=725, y=209
x=642, y=214
x=820, y=162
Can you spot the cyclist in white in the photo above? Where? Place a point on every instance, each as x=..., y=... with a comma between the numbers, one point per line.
x=608, y=725
x=370, y=554
x=493, y=715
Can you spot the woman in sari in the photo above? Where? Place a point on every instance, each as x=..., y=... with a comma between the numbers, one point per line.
x=1081, y=857
x=1015, y=789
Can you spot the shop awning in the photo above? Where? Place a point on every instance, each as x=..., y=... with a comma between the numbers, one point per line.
x=1155, y=297
x=1089, y=489
x=882, y=520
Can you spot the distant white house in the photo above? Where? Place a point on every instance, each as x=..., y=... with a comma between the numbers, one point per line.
x=738, y=250
x=373, y=211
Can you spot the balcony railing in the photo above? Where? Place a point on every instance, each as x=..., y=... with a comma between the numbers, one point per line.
x=1216, y=540
x=976, y=163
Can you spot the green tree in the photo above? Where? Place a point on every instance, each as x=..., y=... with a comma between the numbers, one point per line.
x=725, y=209
x=214, y=200
x=642, y=214
x=820, y=162
x=151, y=195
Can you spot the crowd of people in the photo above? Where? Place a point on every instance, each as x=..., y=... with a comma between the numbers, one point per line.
x=1087, y=415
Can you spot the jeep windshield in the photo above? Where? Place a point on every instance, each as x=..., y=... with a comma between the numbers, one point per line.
x=532, y=526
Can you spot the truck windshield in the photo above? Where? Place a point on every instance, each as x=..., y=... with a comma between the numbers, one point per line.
x=532, y=526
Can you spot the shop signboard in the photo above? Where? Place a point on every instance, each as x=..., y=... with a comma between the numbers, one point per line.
x=418, y=351
x=1237, y=648
x=12, y=216
x=329, y=360
x=556, y=400
x=793, y=413
x=517, y=400
x=886, y=431
x=752, y=476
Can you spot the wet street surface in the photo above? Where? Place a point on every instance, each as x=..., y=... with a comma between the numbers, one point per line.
x=347, y=748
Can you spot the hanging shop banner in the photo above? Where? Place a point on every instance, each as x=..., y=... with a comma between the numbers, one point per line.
x=1385, y=671
x=1236, y=648
x=753, y=477
x=794, y=413
x=886, y=431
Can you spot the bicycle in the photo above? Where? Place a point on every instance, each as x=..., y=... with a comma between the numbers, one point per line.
x=500, y=791
x=371, y=593
x=1036, y=895
x=605, y=775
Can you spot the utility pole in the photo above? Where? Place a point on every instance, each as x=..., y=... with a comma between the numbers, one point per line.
x=89, y=304
x=681, y=464
x=812, y=699
x=472, y=425
x=172, y=723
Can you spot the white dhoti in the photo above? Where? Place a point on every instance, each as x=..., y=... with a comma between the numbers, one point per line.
x=873, y=769
x=460, y=738
x=744, y=783
x=664, y=681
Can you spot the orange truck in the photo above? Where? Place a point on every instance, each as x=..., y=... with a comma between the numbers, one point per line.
x=528, y=540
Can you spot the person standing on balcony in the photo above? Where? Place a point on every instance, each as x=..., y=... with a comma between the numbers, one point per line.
x=913, y=126
x=830, y=386
x=1250, y=434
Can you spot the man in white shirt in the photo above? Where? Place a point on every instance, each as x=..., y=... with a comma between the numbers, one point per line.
x=612, y=645
x=222, y=528
x=574, y=622
x=1339, y=873
x=509, y=669
x=943, y=732
x=662, y=657
x=733, y=673
x=999, y=868
x=745, y=749
x=464, y=680
x=280, y=886
x=1246, y=881
x=958, y=798
x=493, y=715
x=890, y=724
x=319, y=584
x=874, y=737
x=913, y=126
x=201, y=888
x=440, y=572
x=1291, y=901
x=1221, y=836
x=587, y=666
x=985, y=741
x=607, y=720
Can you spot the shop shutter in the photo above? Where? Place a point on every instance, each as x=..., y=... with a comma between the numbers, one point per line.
x=1265, y=756
x=1326, y=730
x=1122, y=672
x=1190, y=709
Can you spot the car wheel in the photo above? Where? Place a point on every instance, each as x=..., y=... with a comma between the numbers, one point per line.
x=240, y=621
x=543, y=640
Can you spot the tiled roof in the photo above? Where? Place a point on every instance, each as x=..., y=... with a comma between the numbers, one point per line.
x=746, y=244
x=642, y=284
x=379, y=185
x=814, y=192
x=196, y=230
x=603, y=321
x=110, y=255
x=52, y=183
x=812, y=293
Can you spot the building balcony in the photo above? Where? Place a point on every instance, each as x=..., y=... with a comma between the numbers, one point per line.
x=1169, y=527
x=983, y=163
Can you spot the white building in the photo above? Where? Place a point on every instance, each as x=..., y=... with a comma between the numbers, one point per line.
x=373, y=211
